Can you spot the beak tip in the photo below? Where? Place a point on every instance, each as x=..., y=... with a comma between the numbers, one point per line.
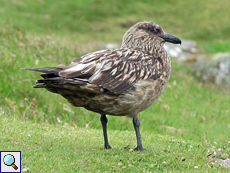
x=171, y=38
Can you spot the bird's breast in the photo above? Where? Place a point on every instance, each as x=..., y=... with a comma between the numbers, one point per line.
x=144, y=95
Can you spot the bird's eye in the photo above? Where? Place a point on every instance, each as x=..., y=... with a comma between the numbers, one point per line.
x=152, y=29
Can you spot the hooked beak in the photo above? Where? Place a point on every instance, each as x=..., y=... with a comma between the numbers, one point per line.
x=171, y=38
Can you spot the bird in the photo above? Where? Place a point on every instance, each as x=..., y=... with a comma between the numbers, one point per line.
x=117, y=82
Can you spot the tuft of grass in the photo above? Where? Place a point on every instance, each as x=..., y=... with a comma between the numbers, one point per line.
x=65, y=148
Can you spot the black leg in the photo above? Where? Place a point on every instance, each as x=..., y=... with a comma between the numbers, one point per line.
x=103, y=123
x=136, y=124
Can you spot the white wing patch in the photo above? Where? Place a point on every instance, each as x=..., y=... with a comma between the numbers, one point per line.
x=77, y=67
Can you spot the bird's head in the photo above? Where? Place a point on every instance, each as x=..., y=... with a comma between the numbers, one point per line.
x=147, y=35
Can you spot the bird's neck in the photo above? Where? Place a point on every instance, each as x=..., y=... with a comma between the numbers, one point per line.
x=156, y=52
x=147, y=46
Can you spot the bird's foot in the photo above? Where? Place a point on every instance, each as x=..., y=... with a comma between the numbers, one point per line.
x=107, y=147
x=141, y=148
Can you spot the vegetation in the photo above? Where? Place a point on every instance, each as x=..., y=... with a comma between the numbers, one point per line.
x=65, y=148
x=100, y=21
x=48, y=33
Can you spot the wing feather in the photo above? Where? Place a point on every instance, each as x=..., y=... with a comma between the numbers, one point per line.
x=115, y=70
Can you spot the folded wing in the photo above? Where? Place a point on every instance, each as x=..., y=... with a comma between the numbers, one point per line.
x=114, y=70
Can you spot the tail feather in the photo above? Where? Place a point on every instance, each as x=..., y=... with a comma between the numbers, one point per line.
x=77, y=90
x=47, y=70
x=61, y=80
x=39, y=86
x=53, y=70
x=49, y=75
x=55, y=83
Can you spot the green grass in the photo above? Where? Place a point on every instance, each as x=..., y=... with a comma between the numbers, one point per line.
x=49, y=33
x=65, y=148
x=88, y=20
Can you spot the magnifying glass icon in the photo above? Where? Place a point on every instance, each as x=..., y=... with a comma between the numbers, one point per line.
x=9, y=160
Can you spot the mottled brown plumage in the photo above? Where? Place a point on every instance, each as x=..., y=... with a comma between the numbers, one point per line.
x=120, y=82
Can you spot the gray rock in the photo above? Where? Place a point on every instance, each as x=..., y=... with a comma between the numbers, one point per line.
x=186, y=51
x=223, y=75
x=215, y=68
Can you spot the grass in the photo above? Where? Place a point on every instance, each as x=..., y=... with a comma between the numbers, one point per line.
x=48, y=33
x=88, y=20
x=65, y=148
